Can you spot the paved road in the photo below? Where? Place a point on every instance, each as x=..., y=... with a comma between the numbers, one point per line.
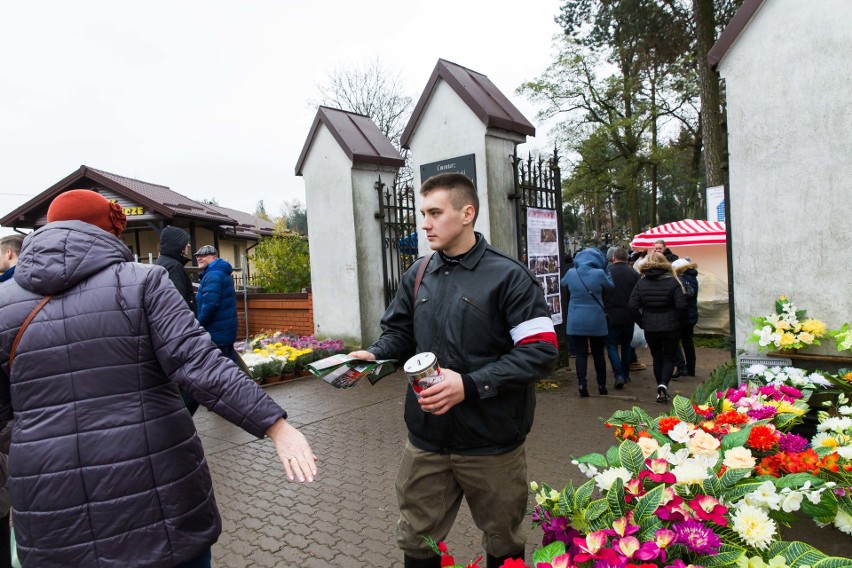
x=346, y=518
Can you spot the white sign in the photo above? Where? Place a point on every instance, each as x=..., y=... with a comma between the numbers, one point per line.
x=543, y=256
x=716, y=203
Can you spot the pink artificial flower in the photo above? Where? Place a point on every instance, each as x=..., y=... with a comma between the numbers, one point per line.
x=633, y=489
x=707, y=508
x=658, y=471
x=629, y=547
x=592, y=548
x=624, y=526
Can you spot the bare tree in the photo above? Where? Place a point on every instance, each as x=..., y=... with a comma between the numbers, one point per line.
x=374, y=91
x=371, y=90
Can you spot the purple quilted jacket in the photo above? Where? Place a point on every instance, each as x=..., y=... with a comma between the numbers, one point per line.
x=106, y=468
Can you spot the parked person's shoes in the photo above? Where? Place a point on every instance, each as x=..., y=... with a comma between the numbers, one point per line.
x=619, y=383
x=678, y=372
x=637, y=366
x=662, y=394
x=584, y=392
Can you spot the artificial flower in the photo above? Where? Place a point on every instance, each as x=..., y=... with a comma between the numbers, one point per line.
x=606, y=478
x=739, y=458
x=754, y=526
x=697, y=537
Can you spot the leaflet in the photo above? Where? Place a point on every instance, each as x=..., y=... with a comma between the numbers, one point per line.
x=342, y=371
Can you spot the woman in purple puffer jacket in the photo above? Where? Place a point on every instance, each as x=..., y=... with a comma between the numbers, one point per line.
x=106, y=468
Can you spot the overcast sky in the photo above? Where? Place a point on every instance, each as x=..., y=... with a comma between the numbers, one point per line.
x=211, y=97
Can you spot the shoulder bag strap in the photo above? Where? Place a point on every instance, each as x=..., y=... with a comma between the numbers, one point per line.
x=24, y=325
x=595, y=298
x=421, y=270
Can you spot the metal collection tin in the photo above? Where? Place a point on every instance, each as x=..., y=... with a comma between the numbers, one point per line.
x=423, y=371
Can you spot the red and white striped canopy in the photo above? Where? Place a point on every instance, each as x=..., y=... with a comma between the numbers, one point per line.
x=686, y=233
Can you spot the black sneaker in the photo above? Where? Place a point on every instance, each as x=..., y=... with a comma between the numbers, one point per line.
x=584, y=392
x=662, y=394
x=602, y=390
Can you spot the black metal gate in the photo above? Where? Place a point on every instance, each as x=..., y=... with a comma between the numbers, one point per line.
x=398, y=224
x=538, y=185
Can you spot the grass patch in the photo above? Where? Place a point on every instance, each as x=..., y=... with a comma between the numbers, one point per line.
x=713, y=341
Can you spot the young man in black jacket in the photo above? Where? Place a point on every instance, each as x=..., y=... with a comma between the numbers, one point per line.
x=483, y=314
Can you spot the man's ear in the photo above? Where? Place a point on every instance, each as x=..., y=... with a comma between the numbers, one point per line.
x=469, y=214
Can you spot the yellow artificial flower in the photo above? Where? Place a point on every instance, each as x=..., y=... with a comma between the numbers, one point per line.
x=787, y=339
x=787, y=407
x=806, y=338
x=814, y=326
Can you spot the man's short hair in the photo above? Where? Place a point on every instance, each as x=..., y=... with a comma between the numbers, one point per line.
x=660, y=242
x=12, y=243
x=461, y=188
x=620, y=254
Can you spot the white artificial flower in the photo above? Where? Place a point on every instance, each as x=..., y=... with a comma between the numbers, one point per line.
x=824, y=440
x=739, y=458
x=607, y=477
x=819, y=379
x=586, y=469
x=845, y=452
x=845, y=410
x=754, y=526
x=837, y=423
x=681, y=432
x=843, y=521
x=792, y=501
x=764, y=496
x=756, y=369
x=708, y=461
x=690, y=472
x=767, y=336
x=678, y=457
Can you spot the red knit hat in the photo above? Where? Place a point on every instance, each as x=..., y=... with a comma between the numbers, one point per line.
x=90, y=207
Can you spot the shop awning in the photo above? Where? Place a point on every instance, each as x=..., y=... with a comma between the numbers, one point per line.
x=686, y=233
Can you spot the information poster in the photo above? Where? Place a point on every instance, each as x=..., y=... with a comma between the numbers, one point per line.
x=716, y=203
x=543, y=255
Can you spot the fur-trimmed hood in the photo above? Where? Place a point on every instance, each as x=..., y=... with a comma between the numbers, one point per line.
x=681, y=268
x=651, y=265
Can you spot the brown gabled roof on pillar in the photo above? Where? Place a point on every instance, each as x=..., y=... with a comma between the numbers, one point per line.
x=477, y=91
x=358, y=136
x=732, y=31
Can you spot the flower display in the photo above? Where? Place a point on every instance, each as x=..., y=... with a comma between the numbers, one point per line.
x=271, y=353
x=788, y=376
x=842, y=338
x=709, y=485
x=787, y=328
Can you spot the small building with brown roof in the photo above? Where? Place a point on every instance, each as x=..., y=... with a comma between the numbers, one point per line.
x=150, y=207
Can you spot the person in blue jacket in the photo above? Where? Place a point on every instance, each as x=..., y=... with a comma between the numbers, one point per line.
x=216, y=300
x=586, y=324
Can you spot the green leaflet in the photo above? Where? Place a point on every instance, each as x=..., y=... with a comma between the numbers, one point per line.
x=648, y=503
x=615, y=498
x=682, y=407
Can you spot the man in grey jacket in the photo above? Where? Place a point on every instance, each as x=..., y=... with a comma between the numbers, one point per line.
x=106, y=467
x=484, y=316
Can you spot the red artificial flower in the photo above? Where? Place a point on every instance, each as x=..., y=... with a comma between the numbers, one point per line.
x=447, y=560
x=514, y=563
x=762, y=438
x=667, y=423
x=732, y=417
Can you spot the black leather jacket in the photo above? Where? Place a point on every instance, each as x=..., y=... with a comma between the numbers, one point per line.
x=465, y=314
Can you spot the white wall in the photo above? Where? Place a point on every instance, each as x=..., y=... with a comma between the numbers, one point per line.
x=789, y=94
x=448, y=128
x=334, y=271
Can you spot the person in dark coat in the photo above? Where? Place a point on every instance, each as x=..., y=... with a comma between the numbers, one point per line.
x=105, y=465
x=174, y=254
x=174, y=245
x=586, y=323
x=658, y=304
x=619, y=317
x=687, y=271
x=216, y=299
x=660, y=247
x=10, y=248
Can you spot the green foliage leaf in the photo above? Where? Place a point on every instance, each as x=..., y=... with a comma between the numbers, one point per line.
x=595, y=459
x=612, y=457
x=615, y=498
x=712, y=486
x=583, y=495
x=833, y=562
x=596, y=508
x=732, y=476
x=826, y=507
x=728, y=554
x=736, y=439
x=566, y=499
x=796, y=480
x=631, y=457
x=683, y=409
x=649, y=527
x=648, y=503
x=549, y=552
x=800, y=553
x=740, y=489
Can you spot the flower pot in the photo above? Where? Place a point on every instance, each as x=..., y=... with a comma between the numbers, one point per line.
x=303, y=373
x=288, y=376
x=272, y=380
